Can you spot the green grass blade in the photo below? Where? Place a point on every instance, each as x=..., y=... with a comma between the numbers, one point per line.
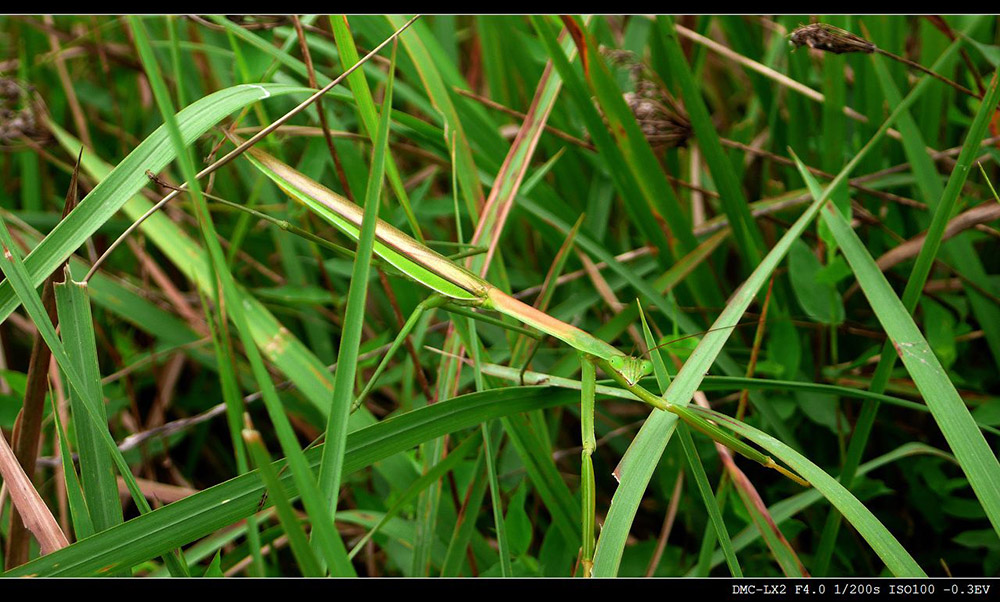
x=663, y=303
x=642, y=190
x=331, y=467
x=491, y=442
x=785, y=509
x=346, y=217
x=530, y=443
x=76, y=326
x=588, y=488
x=369, y=117
x=455, y=456
x=959, y=251
x=745, y=232
x=17, y=276
x=281, y=346
x=229, y=382
x=651, y=441
x=441, y=99
x=455, y=556
x=693, y=460
x=944, y=208
x=83, y=526
x=895, y=556
x=308, y=563
x=720, y=383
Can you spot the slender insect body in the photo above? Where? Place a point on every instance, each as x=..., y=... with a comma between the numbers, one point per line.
x=462, y=287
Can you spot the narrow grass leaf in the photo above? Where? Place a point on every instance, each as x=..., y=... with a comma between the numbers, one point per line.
x=129, y=177
x=17, y=275
x=331, y=467
x=96, y=468
x=455, y=456
x=297, y=540
x=83, y=526
x=369, y=117
x=748, y=237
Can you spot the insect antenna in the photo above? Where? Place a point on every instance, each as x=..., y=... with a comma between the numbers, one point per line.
x=698, y=334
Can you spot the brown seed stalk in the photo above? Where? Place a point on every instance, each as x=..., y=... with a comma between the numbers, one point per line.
x=828, y=38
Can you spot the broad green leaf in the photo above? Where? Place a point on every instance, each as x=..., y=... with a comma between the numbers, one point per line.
x=818, y=299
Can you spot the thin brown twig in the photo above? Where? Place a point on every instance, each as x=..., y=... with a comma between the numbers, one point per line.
x=758, y=340
x=28, y=426
x=67, y=83
x=304, y=48
x=408, y=341
x=980, y=214
x=946, y=29
x=137, y=439
x=929, y=72
x=521, y=116
x=854, y=182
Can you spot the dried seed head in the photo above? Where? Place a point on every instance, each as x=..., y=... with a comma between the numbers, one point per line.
x=660, y=125
x=618, y=56
x=18, y=114
x=830, y=39
x=10, y=90
x=659, y=117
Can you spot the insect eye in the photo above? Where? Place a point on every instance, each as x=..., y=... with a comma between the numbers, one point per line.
x=646, y=367
x=617, y=362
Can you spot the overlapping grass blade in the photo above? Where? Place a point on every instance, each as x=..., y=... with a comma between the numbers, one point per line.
x=745, y=231
x=895, y=556
x=198, y=515
x=17, y=275
x=281, y=346
x=965, y=439
x=944, y=201
x=308, y=563
x=455, y=456
x=347, y=355
x=693, y=459
x=129, y=176
x=465, y=167
x=642, y=456
x=96, y=467
x=83, y=527
x=785, y=509
x=326, y=537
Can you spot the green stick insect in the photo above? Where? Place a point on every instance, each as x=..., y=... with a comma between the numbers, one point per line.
x=457, y=289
